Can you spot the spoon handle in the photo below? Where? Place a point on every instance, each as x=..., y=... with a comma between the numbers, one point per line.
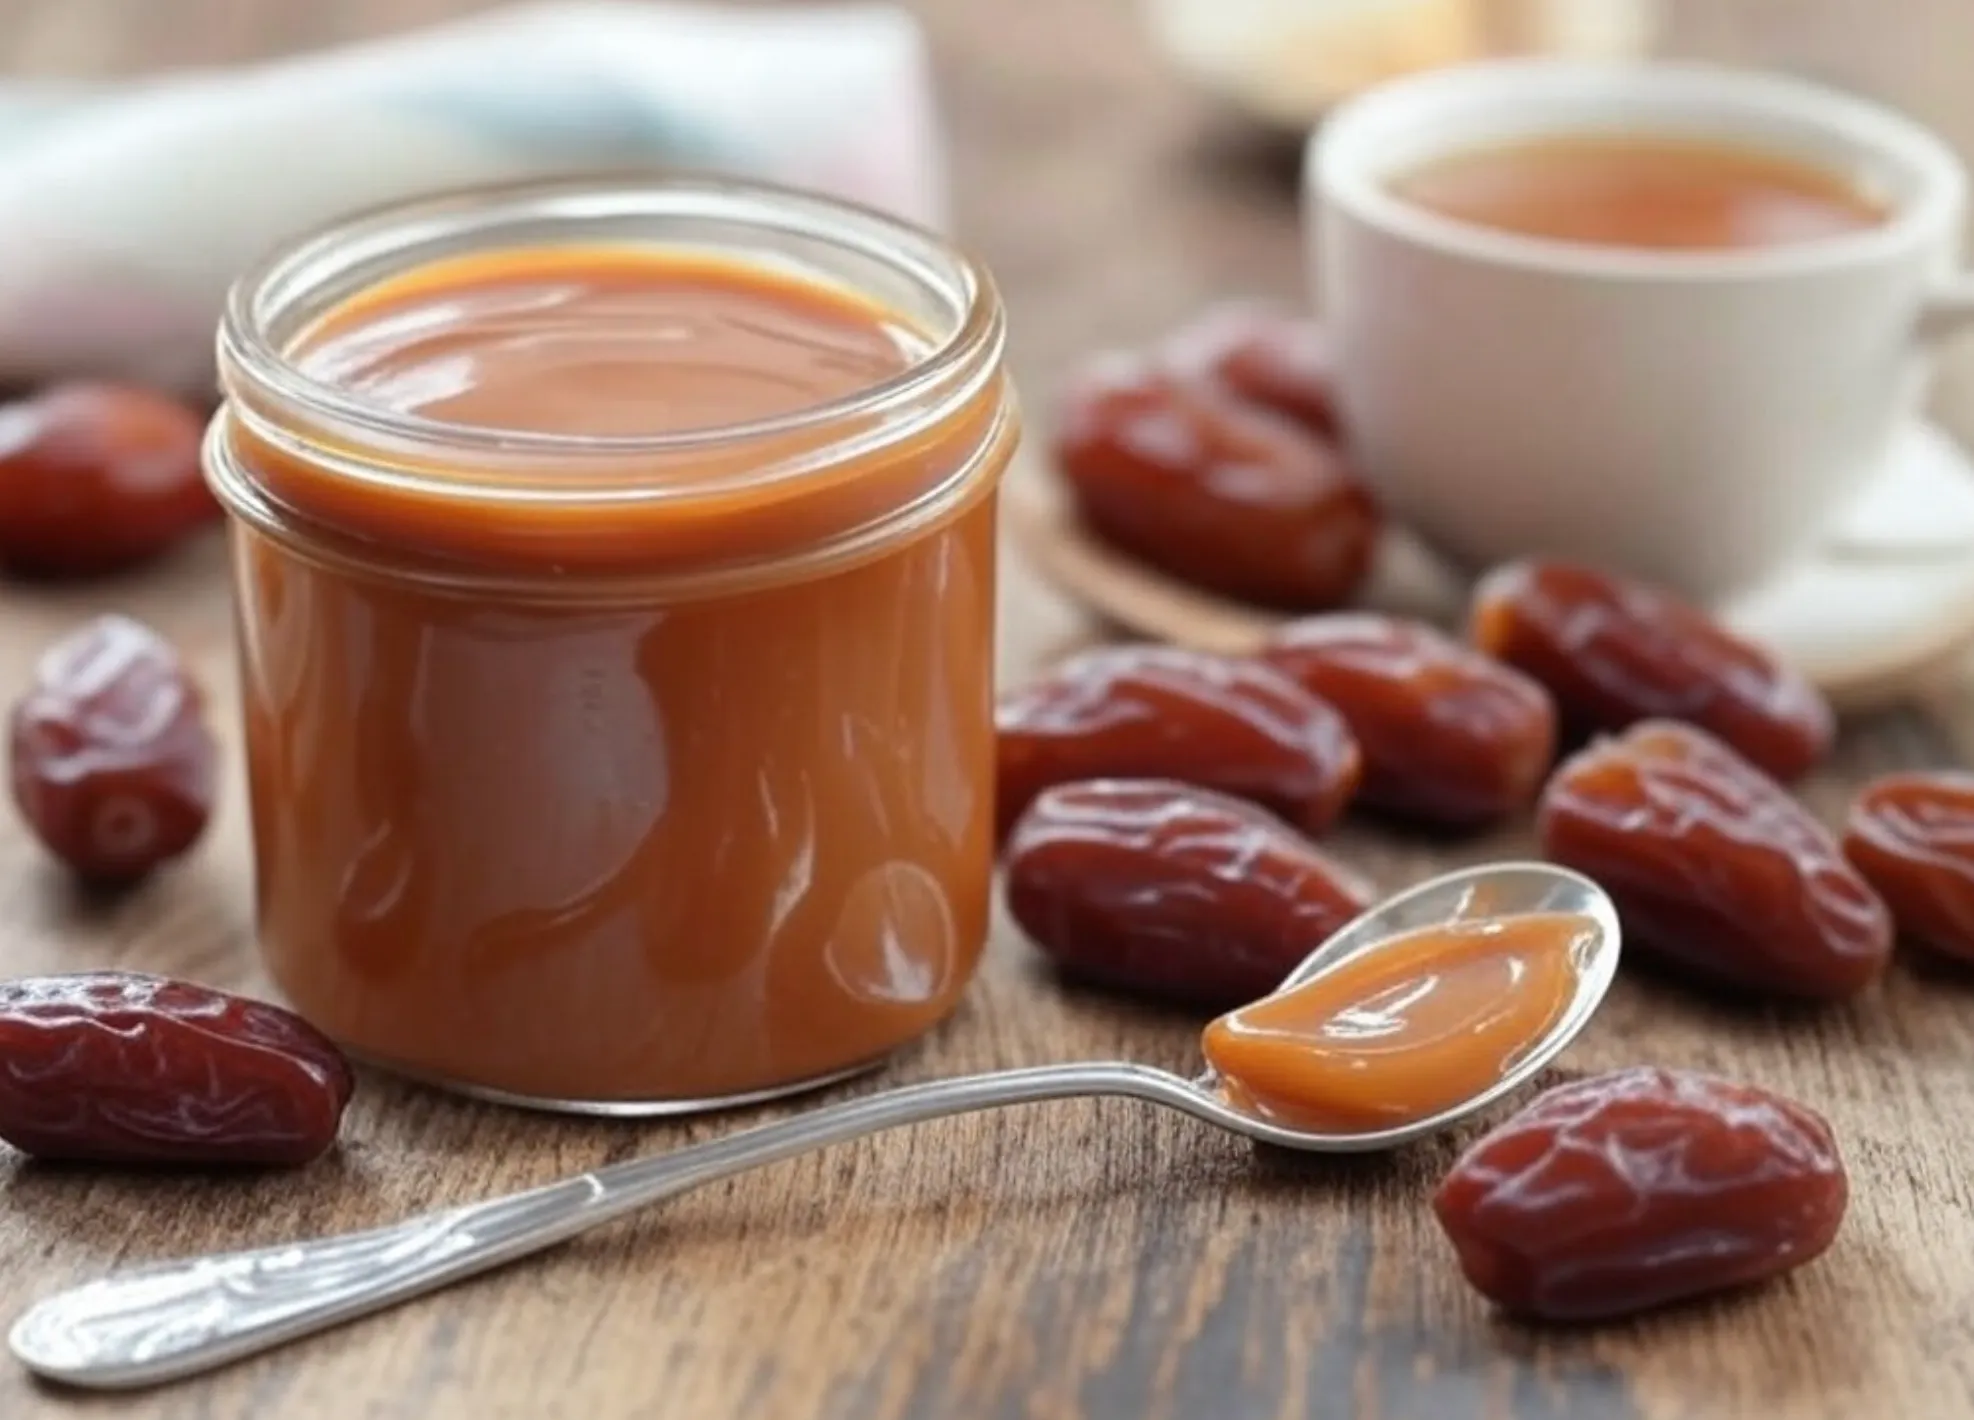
x=173, y=1319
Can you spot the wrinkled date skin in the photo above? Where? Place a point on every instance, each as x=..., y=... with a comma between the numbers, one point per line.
x=1263, y=355
x=1159, y=712
x=1614, y=652
x=1912, y=836
x=1220, y=494
x=1638, y=1188
x=97, y=477
x=112, y=764
x=1172, y=891
x=1713, y=867
x=119, y=1068
x=1449, y=736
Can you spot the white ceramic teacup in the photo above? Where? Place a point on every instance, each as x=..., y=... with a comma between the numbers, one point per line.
x=1694, y=417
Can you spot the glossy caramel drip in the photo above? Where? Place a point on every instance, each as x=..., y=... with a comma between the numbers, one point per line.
x=1405, y=1029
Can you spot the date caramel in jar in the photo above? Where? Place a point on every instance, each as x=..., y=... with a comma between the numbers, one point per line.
x=615, y=572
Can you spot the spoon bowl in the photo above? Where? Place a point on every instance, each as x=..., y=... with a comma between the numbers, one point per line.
x=1490, y=891
x=175, y=1319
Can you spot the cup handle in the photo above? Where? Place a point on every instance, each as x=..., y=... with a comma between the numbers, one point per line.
x=1949, y=310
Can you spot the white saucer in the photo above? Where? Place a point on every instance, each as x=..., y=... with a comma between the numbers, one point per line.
x=1886, y=603
x=1890, y=594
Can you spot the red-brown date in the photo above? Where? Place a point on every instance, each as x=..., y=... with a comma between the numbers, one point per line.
x=1264, y=355
x=120, y=1068
x=1172, y=891
x=112, y=764
x=1614, y=651
x=1646, y=1186
x=1220, y=494
x=1449, y=736
x=97, y=477
x=1713, y=867
x=1912, y=836
x=1159, y=712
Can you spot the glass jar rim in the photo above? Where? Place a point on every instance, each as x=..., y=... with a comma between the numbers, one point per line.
x=952, y=368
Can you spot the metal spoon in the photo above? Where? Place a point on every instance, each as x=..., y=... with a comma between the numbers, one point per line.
x=175, y=1319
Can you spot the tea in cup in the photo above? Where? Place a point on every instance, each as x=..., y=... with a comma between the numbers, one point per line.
x=1667, y=318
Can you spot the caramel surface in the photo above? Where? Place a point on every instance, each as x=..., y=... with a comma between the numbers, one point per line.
x=628, y=846
x=603, y=342
x=1404, y=1029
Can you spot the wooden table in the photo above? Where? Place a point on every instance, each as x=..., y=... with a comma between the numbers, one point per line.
x=1060, y=1261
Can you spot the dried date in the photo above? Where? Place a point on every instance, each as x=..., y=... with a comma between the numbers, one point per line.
x=1713, y=867
x=1912, y=836
x=1646, y=1186
x=1172, y=891
x=112, y=764
x=97, y=477
x=1159, y=712
x=1263, y=355
x=120, y=1068
x=1449, y=736
x=1614, y=651
x=1218, y=493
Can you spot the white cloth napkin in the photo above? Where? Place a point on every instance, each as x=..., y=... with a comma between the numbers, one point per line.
x=127, y=209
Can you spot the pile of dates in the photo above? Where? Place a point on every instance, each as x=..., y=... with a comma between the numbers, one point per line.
x=1162, y=811
x=112, y=765
x=1144, y=786
x=1215, y=458
x=114, y=769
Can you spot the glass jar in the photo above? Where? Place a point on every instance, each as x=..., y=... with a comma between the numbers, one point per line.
x=620, y=774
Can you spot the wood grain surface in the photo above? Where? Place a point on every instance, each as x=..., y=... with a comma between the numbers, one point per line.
x=1070, y=1260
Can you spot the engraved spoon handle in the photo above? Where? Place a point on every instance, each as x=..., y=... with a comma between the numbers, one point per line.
x=174, y=1319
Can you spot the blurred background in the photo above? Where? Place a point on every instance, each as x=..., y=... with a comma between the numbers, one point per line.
x=1109, y=159
x=1119, y=164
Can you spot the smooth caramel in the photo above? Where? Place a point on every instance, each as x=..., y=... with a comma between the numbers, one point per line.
x=593, y=839
x=591, y=341
x=1404, y=1029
